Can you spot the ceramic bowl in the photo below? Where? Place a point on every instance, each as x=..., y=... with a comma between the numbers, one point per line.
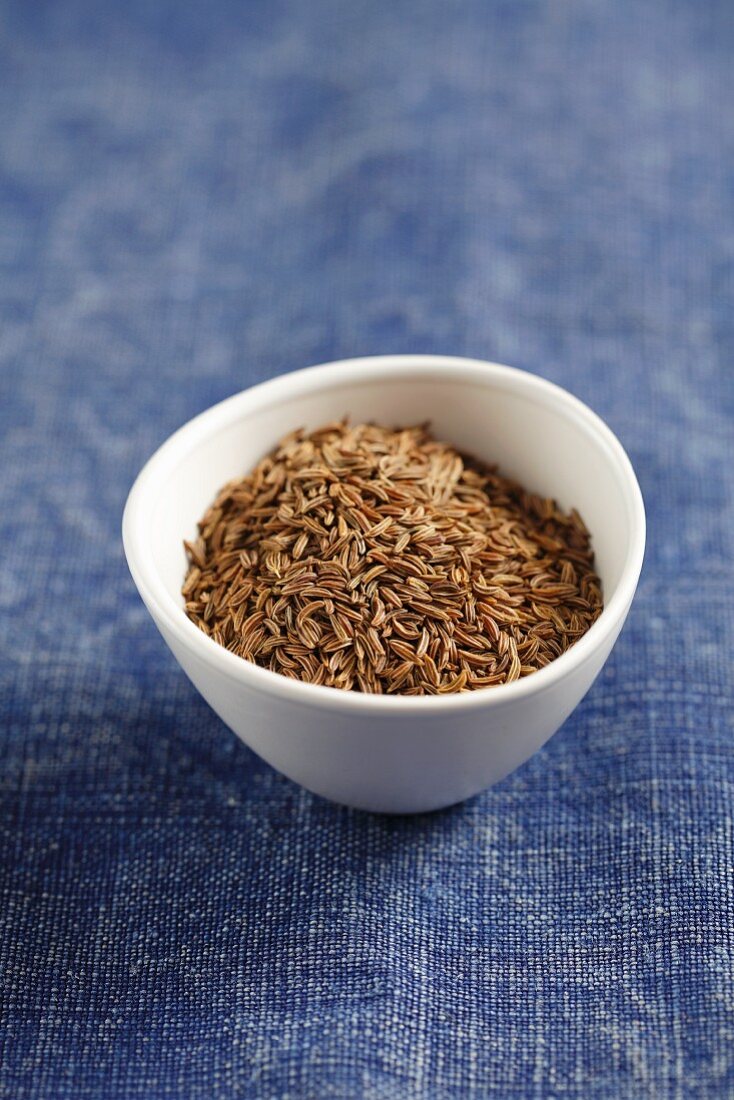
x=392, y=754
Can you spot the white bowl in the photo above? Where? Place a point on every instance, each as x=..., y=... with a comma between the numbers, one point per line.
x=396, y=754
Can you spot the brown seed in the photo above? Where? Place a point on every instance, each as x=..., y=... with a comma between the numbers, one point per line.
x=384, y=561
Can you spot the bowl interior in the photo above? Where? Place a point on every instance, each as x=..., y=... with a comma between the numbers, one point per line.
x=533, y=431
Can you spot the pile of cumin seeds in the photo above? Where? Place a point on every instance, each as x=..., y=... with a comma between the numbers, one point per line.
x=385, y=561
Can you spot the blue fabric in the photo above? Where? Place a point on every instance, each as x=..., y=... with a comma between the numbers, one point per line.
x=194, y=199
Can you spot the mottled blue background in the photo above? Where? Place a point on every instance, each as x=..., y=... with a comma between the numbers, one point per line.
x=196, y=198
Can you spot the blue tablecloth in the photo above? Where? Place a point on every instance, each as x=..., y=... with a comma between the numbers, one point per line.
x=196, y=198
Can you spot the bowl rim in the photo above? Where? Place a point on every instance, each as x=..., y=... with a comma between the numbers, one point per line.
x=313, y=379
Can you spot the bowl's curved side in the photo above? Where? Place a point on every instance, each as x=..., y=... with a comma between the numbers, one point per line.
x=400, y=763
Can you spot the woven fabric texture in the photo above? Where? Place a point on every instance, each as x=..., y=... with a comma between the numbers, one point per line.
x=196, y=197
